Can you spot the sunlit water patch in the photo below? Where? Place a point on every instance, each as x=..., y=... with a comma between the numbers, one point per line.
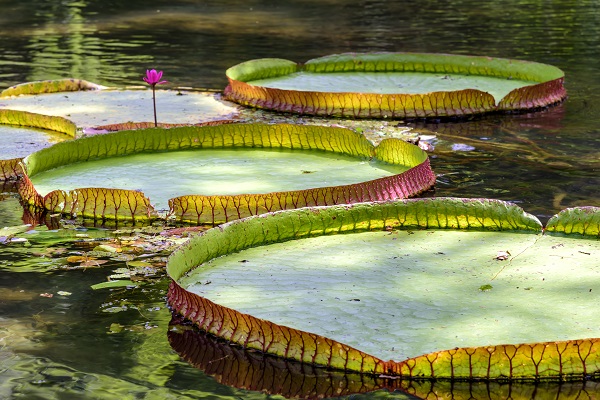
x=162, y=176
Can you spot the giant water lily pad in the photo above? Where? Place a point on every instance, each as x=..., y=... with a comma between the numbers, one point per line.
x=216, y=173
x=382, y=293
x=89, y=109
x=395, y=85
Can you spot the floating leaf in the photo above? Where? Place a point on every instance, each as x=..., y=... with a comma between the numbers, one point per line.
x=77, y=259
x=114, y=284
x=311, y=335
x=139, y=264
x=122, y=109
x=106, y=248
x=85, y=261
x=396, y=85
x=10, y=231
x=115, y=328
x=405, y=169
x=24, y=118
x=117, y=204
x=127, y=126
x=50, y=86
x=238, y=367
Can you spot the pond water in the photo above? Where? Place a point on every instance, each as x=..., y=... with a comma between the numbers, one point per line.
x=102, y=344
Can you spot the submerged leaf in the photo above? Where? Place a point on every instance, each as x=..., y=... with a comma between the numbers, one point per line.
x=115, y=284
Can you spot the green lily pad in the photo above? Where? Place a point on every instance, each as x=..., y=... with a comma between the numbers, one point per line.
x=162, y=176
x=50, y=86
x=396, y=85
x=220, y=172
x=391, y=83
x=35, y=120
x=114, y=284
x=395, y=286
x=103, y=107
x=416, y=293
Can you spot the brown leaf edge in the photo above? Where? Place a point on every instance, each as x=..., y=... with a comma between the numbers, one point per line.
x=128, y=126
x=251, y=370
x=101, y=203
x=563, y=360
x=198, y=209
x=11, y=169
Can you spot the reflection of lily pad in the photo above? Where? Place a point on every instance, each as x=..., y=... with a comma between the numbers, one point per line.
x=221, y=172
x=408, y=292
x=238, y=367
x=396, y=85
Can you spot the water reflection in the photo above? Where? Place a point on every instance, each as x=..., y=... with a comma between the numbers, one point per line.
x=251, y=370
x=66, y=44
x=545, y=161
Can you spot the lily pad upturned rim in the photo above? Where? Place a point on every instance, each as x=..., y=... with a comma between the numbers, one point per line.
x=50, y=86
x=122, y=204
x=548, y=90
x=430, y=213
x=247, y=369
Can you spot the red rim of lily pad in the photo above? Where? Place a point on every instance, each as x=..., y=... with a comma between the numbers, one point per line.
x=130, y=205
x=543, y=86
x=559, y=360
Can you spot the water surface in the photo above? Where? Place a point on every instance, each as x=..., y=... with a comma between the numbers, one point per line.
x=63, y=347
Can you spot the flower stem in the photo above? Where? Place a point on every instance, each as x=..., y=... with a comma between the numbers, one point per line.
x=154, y=103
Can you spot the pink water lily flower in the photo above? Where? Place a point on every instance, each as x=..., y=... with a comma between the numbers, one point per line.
x=152, y=77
